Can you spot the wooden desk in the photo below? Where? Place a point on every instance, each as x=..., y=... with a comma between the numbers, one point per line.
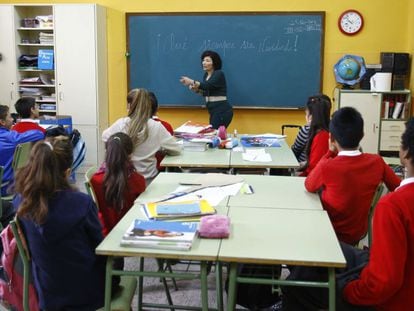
x=211, y=158
x=282, y=157
x=277, y=192
x=280, y=236
x=166, y=183
x=202, y=249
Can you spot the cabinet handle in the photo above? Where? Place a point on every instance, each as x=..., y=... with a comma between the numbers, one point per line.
x=60, y=95
x=11, y=95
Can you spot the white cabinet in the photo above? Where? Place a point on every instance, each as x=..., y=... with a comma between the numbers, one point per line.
x=384, y=116
x=77, y=84
x=81, y=71
x=8, y=79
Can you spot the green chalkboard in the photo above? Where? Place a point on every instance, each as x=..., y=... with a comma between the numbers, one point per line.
x=271, y=60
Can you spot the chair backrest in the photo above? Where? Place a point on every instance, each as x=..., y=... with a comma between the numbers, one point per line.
x=89, y=189
x=21, y=155
x=24, y=255
x=375, y=199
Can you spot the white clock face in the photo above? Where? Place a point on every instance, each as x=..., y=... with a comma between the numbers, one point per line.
x=350, y=22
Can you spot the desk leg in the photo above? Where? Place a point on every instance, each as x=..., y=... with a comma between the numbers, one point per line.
x=219, y=285
x=231, y=295
x=332, y=291
x=108, y=283
x=204, y=286
x=140, y=283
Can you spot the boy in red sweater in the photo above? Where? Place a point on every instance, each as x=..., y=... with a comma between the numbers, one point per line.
x=387, y=282
x=28, y=111
x=347, y=178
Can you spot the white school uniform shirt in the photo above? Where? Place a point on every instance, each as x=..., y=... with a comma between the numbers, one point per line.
x=143, y=156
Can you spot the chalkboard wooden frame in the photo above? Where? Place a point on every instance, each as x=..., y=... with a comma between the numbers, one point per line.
x=301, y=34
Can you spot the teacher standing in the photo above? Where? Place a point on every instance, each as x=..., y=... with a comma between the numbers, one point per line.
x=213, y=88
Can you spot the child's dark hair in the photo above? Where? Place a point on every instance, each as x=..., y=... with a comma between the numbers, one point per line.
x=119, y=147
x=215, y=57
x=154, y=103
x=4, y=110
x=407, y=140
x=43, y=176
x=319, y=107
x=347, y=127
x=24, y=106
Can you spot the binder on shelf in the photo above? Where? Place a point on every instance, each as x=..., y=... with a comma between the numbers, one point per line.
x=397, y=110
x=45, y=59
x=386, y=109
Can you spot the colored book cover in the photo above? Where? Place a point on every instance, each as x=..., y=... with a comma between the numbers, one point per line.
x=45, y=59
x=259, y=141
x=161, y=231
x=186, y=209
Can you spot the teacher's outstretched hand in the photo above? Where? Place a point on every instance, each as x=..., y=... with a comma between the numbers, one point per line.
x=213, y=88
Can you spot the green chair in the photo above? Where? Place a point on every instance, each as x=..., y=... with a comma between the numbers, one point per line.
x=21, y=155
x=89, y=189
x=375, y=199
x=20, y=158
x=121, y=300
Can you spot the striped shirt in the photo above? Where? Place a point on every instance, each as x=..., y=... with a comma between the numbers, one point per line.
x=299, y=145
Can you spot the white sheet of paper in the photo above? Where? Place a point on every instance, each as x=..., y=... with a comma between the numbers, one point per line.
x=256, y=155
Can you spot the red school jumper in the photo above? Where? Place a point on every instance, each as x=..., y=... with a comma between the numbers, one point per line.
x=348, y=183
x=108, y=215
x=387, y=282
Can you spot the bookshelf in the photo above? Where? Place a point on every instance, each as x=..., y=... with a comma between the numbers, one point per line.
x=72, y=79
x=384, y=113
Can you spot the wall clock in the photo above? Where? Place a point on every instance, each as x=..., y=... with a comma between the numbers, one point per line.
x=350, y=22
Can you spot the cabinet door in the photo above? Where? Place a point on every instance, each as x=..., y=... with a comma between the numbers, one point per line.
x=76, y=62
x=369, y=105
x=8, y=80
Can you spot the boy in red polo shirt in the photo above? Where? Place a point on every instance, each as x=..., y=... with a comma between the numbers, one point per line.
x=28, y=112
x=347, y=178
x=387, y=282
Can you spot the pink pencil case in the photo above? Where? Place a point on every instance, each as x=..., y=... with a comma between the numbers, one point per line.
x=214, y=226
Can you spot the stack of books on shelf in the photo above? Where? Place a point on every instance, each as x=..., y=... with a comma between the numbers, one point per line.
x=46, y=38
x=171, y=235
x=188, y=210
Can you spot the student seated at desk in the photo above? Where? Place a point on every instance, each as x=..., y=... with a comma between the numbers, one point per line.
x=28, y=111
x=299, y=145
x=116, y=184
x=154, y=105
x=347, y=178
x=148, y=136
x=8, y=141
x=62, y=229
x=317, y=117
x=387, y=282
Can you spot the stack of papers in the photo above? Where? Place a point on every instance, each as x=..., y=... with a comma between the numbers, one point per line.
x=178, y=210
x=256, y=155
x=46, y=38
x=160, y=234
x=196, y=144
x=191, y=127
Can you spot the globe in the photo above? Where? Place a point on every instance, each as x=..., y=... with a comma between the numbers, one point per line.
x=349, y=70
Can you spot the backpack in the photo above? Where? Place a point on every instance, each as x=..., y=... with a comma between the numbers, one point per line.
x=11, y=283
x=79, y=149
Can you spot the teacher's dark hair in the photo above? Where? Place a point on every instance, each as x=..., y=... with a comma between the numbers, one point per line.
x=215, y=57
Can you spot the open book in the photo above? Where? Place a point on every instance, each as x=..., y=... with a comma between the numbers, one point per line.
x=191, y=127
x=160, y=234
